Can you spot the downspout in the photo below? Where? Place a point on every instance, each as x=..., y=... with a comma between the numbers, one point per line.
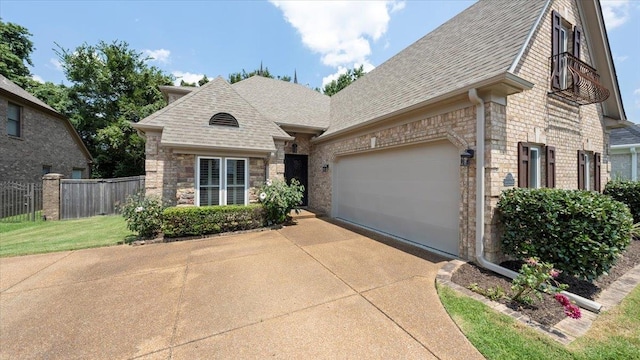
x=634, y=164
x=480, y=181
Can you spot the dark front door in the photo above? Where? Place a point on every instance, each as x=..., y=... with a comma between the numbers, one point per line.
x=295, y=167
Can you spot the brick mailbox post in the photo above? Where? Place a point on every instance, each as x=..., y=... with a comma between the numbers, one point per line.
x=51, y=196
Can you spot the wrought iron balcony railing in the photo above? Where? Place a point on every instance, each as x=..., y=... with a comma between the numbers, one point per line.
x=574, y=80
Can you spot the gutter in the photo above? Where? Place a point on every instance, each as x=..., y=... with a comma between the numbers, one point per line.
x=480, y=205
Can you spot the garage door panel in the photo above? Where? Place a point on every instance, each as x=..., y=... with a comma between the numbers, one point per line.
x=410, y=192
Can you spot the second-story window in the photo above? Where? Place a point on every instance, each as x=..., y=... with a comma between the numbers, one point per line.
x=565, y=41
x=14, y=123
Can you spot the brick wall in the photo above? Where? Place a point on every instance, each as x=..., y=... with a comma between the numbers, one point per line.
x=172, y=176
x=45, y=141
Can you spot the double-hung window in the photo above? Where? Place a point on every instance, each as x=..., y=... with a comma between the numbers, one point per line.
x=589, y=167
x=14, y=120
x=221, y=181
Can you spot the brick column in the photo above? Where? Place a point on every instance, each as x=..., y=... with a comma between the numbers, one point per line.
x=51, y=196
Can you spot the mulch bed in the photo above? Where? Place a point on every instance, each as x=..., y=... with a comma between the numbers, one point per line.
x=547, y=311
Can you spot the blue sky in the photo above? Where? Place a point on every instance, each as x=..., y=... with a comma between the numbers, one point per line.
x=318, y=40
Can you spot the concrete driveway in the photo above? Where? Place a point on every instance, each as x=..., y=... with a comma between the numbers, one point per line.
x=312, y=290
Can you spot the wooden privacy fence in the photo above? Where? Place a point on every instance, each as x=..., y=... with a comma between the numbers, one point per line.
x=20, y=201
x=81, y=198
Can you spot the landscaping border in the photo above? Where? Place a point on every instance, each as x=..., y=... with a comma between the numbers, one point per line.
x=567, y=329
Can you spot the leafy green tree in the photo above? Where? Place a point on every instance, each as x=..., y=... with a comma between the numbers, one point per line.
x=203, y=81
x=112, y=87
x=343, y=81
x=15, y=53
x=54, y=95
x=239, y=76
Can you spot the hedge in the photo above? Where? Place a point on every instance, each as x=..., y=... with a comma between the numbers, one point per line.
x=581, y=232
x=627, y=192
x=204, y=220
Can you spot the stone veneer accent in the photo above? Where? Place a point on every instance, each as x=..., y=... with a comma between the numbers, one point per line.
x=44, y=140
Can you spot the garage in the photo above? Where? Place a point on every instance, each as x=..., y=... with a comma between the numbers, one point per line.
x=410, y=192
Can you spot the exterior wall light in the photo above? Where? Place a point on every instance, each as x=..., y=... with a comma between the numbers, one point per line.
x=294, y=148
x=465, y=156
x=325, y=167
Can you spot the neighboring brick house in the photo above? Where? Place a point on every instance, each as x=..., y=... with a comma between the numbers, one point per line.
x=36, y=139
x=625, y=149
x=527, y=89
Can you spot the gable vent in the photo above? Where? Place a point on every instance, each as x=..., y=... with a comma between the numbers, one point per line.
x=223, y=119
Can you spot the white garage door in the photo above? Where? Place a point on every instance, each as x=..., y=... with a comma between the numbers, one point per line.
x=409, y=192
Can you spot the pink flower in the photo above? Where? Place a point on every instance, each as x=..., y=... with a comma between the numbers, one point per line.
x=532, y=261
x=572, y=311
x=554, y=273
x=562, y=299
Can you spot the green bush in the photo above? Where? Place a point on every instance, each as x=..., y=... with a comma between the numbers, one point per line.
x=581, y=232
x=204, y=220
x=279, y=199
x=627, y=192
x=143, y=215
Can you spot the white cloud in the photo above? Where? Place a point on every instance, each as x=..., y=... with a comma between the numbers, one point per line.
x=339, y=31
x=615, y=12
x=342, y=70
x=37, y=78
x=620, y=58
x=56, y=64
x=186, y=76
x=159, y=55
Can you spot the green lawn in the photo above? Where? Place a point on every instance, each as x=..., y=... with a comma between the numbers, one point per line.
x=614, y=335
x=48, y=236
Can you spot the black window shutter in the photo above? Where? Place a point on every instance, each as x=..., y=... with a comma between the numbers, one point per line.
x=523, y=165
x=577, y=40
x=556, y=27
x=581, y=169
x=597, y=166
x=550, y=164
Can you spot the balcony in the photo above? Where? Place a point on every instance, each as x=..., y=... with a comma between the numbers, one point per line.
x=576, y=81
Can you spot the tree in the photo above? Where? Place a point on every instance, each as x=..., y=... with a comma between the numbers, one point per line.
x=112, y=87
x=343, y=81
x=200, y=82
x=203, y=81
x=239, y=76
x=15, y=53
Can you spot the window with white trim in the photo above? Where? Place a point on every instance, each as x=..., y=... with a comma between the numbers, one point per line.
x=534, y=167
x=221, y=181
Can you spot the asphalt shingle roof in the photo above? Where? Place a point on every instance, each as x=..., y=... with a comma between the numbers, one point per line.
x=286, y=103
x=186, y=121
x=9, y=86
x=477, y=44
x=626, y=135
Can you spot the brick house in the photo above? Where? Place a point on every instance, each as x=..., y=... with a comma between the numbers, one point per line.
x=37, y=139
x=506, y=93
x=625, y=146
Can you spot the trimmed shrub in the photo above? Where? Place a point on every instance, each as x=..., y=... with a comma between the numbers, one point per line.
x=279, y=199
x=204, y=220
x=581, y=232
x=627, y=192
x=143, y=215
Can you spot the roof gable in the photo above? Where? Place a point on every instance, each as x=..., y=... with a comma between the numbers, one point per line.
x=286, y=103
x=185, y=122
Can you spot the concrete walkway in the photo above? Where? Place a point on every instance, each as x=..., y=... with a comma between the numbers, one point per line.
x=311, y=290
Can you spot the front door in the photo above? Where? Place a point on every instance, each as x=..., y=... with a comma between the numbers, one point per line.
x=295, y=167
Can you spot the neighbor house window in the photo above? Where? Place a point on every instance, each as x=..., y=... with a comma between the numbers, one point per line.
x=222, y=181
x=76, y=173
x=46, y=169
x=14, y=113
